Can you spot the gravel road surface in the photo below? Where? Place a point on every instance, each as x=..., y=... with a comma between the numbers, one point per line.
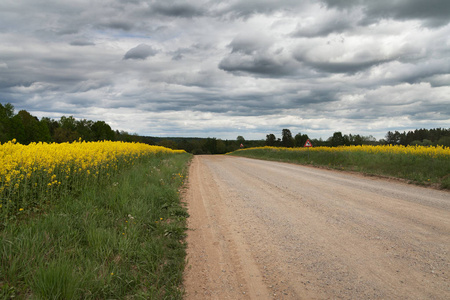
x=270, y=230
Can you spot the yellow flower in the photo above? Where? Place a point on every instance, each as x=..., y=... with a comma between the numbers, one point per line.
x=61, y=166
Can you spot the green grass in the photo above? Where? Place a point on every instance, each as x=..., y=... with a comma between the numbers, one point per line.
x=417, y=169
x=120, y=240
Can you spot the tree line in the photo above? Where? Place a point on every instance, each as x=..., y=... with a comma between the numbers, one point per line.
x=208, y=145
x=299, y=140
x=26, y=128
x=425, y=137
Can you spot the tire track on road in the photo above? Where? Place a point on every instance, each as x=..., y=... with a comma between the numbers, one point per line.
x=291, y=232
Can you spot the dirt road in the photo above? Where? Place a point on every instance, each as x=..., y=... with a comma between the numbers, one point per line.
x=268, y=230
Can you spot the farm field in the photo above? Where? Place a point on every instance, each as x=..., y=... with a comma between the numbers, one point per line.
x=91, y=220
x=271, y=230
x=104, y=220
x=421, y=165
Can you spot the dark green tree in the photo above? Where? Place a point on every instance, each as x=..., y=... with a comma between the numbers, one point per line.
x=66, y=132
x=186, y=146
x=444, y=141
x=63, y=135
x=168, y=144
x=84, y=128
x=52, y=125
x=221, y=147
x=102, y=131
x=44, y=132
x=320, y=143
x=6, y=115
x=68, y=123
x=337, y=139
x=17, y=130
x=210, y=146
x=35, y=131
x=30, y=125
x=286, y=138
x=300, y=139
x=6, y=111
x=271, y=139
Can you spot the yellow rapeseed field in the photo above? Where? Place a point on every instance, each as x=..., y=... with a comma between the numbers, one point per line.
x=418, y=164
x=430, y=151
x=30, y=174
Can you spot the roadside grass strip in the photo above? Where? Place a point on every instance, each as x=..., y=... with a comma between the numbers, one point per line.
x=117, y=235
x=423, y=165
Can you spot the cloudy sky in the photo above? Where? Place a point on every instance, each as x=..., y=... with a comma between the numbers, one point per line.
x=227, y=68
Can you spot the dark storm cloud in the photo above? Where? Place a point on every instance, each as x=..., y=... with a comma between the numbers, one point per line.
x=320, y=96
x=341, y=67
x=335, y=23
x=118, y=24
x=432, y=12
x=424, y=70
x=258, y=65
x=68, y=31
x=249, y=43
x=245, y=9
x=180, y=53
x=256, y=54
x=141, y=51
x=90, y=84
x=247, y=104
x=82, y=43
x=337, y=58
x=177, y=9
x=177, y=56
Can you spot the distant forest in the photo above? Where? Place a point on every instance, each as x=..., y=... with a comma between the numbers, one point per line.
x=26, y=128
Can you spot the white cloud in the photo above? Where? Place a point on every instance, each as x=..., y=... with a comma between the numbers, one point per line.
x=228, y=68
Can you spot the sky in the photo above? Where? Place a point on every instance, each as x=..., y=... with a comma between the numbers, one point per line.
x=204, y=68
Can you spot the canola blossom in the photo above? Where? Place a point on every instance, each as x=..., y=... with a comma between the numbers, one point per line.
x=33, y=174
x=428, y=151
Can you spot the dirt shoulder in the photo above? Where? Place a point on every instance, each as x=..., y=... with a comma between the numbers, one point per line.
x=267, y=230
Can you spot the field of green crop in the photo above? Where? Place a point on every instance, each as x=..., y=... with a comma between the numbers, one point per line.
x=416, y=164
